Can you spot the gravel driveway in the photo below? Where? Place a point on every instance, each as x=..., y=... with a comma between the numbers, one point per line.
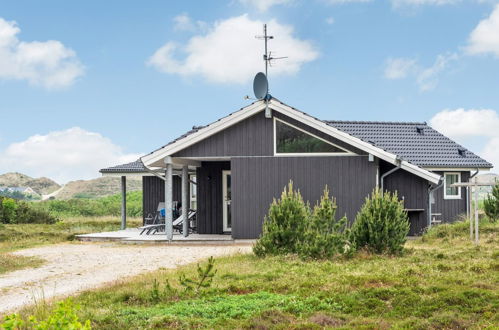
x=71, y=268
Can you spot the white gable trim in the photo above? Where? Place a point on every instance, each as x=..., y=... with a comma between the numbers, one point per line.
x=292, y=113
x=356, y=142
x=204, y=133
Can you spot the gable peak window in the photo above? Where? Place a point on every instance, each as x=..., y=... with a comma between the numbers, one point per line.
x=292, y=140
x=452, y=192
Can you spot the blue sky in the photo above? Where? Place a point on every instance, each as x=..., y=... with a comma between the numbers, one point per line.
x=87, y=84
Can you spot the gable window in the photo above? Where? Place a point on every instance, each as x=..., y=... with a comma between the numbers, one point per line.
x=452, y=192
x=293, y=140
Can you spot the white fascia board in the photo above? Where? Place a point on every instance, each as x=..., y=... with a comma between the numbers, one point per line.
x=356, y=142
x=458, y=169
x=204, y=133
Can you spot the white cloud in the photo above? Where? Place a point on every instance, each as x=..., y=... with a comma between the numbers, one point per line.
x=49, y=63
x=66, y=155
x=264, y=5
x=461, y=124
x=184, y=22
x=329, y=20
x=230, y=53
x=484, y=38
x=426, y=77
x=398, y=68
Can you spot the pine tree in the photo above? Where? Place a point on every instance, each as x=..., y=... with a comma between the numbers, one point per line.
x=491, y=204
x=382, y=225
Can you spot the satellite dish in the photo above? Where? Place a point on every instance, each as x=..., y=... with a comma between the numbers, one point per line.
x=260, y=85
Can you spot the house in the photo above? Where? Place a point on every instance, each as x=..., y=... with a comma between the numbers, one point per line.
x=244, y=160
x=27, y=191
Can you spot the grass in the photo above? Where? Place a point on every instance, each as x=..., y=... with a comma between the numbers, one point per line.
x=441, y=281
x=21, y=236
x=10, y=262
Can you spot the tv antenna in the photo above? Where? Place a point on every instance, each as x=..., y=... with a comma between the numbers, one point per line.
x=260, y=83
x=267, y=57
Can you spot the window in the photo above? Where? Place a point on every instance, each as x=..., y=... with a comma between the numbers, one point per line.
x=194, y=193
x=292, y=140
x=452, y=192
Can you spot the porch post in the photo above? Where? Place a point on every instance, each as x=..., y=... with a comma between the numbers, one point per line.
x=185, y=200
x=169, y=198
x=123, y=202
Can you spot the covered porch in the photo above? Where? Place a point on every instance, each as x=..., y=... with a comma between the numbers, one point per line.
x=171, y=184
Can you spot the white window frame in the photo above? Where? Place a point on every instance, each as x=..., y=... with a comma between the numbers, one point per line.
x=193, y=197
x=345, y=153
x=458, y=196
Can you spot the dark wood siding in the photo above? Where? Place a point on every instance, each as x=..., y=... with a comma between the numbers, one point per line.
x=153, y=189
x=250, y=137
x=413, y=190
x=256, y=181
x=450, y=208
x=209, y=198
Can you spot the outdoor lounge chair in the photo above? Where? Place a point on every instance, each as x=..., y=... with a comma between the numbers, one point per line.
x=177, y=223
x=151, y=221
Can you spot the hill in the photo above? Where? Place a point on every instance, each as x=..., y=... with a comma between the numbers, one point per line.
x=95, y=188
x=41, y=186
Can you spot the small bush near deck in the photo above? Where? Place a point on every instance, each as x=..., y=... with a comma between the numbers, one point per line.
x=324, y=236
x=491, y=204
x=284, y=226
x=381, y=226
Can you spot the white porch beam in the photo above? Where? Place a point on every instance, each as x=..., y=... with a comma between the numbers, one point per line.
x=184, y=161
x=185, y=200
x=169, y=198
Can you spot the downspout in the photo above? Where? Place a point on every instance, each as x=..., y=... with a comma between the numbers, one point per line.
x=430, y=194
x=382, y=179
x=468, y=194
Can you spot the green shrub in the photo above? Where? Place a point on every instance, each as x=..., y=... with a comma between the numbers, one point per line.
x=381, y=226
x=62, y=317
x=17, y=211
x=491, y=204
x=324, y=235
x=8, y=209
x=283, y=227
x=104, y=206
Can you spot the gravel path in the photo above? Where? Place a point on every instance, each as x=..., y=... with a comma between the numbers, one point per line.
x=71, y=268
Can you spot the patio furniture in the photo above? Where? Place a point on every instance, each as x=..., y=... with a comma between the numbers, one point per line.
x=152, y=221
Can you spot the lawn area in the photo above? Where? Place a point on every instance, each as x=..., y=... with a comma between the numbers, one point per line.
x=441, y=281
x=9, y=262
x=20, y=236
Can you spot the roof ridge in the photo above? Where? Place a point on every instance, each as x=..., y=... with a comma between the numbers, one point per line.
x=375, y=122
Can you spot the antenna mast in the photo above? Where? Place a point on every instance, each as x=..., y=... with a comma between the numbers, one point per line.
x=267, y=57
x=265, y=38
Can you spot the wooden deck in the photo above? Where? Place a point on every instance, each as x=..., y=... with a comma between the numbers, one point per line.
x=133, y=236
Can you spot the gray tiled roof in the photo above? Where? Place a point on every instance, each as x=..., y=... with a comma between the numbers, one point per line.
x=426, y=149
x=133, y=167
x=430, y=149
